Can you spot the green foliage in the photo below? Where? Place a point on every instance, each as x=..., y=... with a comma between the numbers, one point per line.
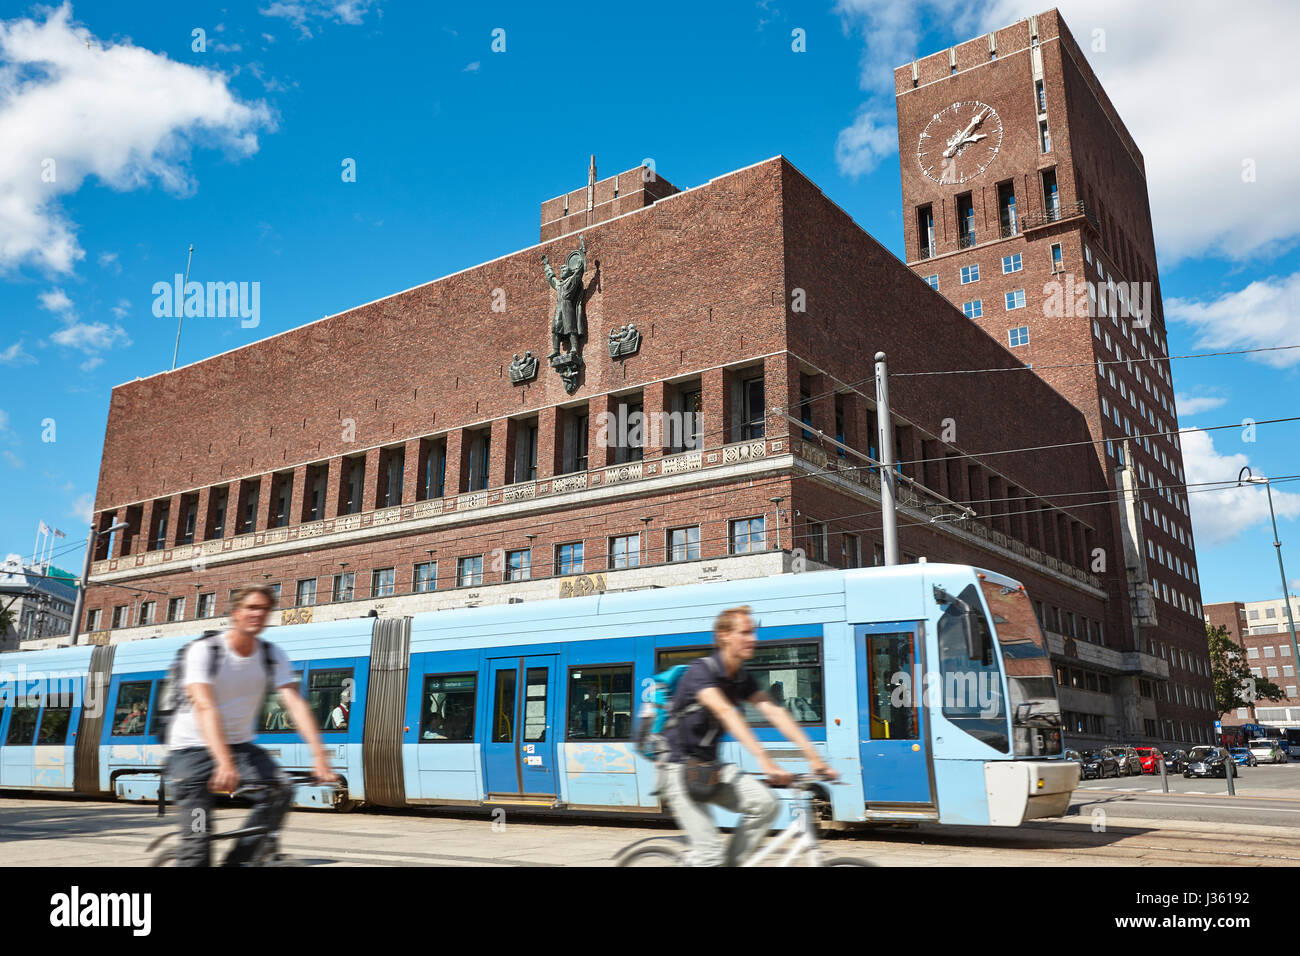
x=1234, y=685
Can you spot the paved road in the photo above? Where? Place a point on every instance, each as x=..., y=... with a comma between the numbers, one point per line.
x=73, y=832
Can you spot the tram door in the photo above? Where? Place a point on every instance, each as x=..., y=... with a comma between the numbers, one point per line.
x=519, y=755
x=893, y=742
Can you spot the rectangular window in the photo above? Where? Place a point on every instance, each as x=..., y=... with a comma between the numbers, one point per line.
x=791, y=674
x=329, y=695
x=92, y=620
x=575, y=440
x=519, y=565
x=1007, y=210
x=1011, y=264
x=146, y=613
x=354, y=479
x=1052, y=200
x=1018, y=336
x=753, y=415
x=970, y=274
x=535, y=726
x=276, y=718
x=850, y=551
x=344, y=586
x=747, y=536
x=625, y=551
x=925, y=231
x=1015, y=300
x=932, y=282
x=305, y=595
x=22, y=720
x=817, y=541
x=425, y=577
x=54, y=726
x=317, y=481
x=469, y=571
x=480, y=457
x=131, y=713
x=176, y=609
x=965, y=222
x=973, y=309
x=219, y=499
x=600, y=703
x=447, y=708
x=628, y=429
x=435, y=470
x=684, y=544
x=690, y=405
x=381, y=582
x=393, y=474
x=119, y=616
x=568, y=558
x=1044, y=137
x=1040, y=96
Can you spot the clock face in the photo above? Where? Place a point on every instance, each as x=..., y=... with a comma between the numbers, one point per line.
x=959, y=142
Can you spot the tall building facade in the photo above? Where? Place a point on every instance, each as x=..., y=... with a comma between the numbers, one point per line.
x=1025, y=205
x=1264, y=633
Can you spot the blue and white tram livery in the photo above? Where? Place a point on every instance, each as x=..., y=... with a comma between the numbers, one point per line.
x=927, y=686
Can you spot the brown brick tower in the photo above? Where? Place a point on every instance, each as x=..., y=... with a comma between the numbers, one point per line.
x=1025, y=204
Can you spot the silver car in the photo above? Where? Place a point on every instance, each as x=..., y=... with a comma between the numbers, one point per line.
x=1267, y=750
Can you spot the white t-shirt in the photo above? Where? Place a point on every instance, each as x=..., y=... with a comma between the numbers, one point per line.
x=238, y=686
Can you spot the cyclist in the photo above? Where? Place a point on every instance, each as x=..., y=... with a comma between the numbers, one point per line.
x=211, y=741
x=693, y=776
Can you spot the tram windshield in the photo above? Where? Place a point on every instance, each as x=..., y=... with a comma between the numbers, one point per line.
x=1035, y=711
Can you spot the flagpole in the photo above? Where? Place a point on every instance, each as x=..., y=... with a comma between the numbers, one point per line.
x=180, y=307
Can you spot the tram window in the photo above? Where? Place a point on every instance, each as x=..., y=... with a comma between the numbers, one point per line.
x=54, y=726
x=891, y=677
x=972, y=690
x=132, y=710
x=503, y=708
x=156, y=716
x=681, y=655
x=329, y=694
x=600, y=703
x=791, y=674
x=448, y=709
x=22, y=722
x=276, y=718
x=535, y=706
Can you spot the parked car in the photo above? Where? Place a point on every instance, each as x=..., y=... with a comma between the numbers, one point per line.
x=1130, y=765
x=1207, y=762
x=1267, y=750
x=1243, y=756
x=1175, y=760
x=1098, y=764
x=1150, y=759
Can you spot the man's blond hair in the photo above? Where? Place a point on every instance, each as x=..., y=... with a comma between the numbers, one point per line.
x=243, y=594
x=729, y=620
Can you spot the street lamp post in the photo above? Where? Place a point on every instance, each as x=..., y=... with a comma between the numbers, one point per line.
x=1277, y=543
x=80, y=602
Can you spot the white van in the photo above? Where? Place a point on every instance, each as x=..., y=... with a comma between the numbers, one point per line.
x=1268, y=750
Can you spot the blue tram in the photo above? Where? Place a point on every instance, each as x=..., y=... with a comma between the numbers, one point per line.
x=927, y=686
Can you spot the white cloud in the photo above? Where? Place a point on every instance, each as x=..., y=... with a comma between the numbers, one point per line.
x=122, y=308
x=83, y=507
x=72, y=107
x=91, y=364
x=14, y=460
x=91, y=336
x=108, y=260
x=860, y=148
x=1200, y=90
x=472, y=67
x=4, y=421
x=56, y=301
x=1195, y=404
x=301, y=12
x=1262, y=315
x=1220, y=515
x=14, y=355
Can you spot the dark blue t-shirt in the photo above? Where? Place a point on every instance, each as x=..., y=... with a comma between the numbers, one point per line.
x=696, y=735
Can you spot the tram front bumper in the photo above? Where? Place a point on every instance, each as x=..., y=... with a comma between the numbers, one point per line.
x=1020, y=790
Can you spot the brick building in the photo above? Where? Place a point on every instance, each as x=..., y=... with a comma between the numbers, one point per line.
x=1264, y=633
x=1025, y=205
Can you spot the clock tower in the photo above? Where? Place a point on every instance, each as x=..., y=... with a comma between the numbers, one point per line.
x=1025, y=205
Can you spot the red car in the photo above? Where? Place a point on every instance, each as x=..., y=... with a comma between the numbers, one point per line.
x=1148, y=756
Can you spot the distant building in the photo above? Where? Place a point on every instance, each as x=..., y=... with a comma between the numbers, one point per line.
x=1262, y=629
x=40, y=598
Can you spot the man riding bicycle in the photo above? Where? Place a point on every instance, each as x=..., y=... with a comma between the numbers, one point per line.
x=693, y=777
x=211, y=741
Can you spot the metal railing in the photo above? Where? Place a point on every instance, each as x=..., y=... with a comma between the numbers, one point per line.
x=1057, y=213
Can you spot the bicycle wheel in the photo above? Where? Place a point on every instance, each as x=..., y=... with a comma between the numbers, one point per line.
x=847, y=861
x=654, y=856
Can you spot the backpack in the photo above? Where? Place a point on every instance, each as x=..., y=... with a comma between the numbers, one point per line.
x=173, y=699
x=658, y=715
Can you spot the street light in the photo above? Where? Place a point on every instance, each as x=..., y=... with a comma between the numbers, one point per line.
x=80, y=601
x=1286, y=598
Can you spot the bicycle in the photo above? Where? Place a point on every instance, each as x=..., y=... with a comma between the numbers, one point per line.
x=267, y=854
x=800, y=834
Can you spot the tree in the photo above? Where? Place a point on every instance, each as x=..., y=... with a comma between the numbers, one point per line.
x=6, y=622
x=1234, y=685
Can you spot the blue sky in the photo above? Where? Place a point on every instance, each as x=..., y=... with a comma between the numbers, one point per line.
x=239, y=147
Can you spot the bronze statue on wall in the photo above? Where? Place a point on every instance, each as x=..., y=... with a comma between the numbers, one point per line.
x=569, y=322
